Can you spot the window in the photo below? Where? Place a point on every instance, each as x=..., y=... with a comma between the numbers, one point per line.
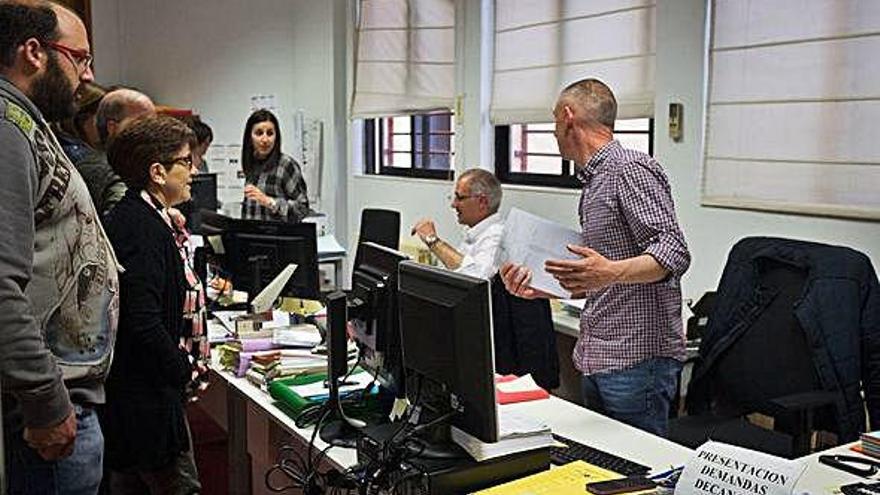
x=541, y=45
x=528, y=154
x=404, y=57
x=792, y=108
x=412, y=146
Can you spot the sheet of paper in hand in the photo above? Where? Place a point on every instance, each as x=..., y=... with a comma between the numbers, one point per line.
x=531, y=240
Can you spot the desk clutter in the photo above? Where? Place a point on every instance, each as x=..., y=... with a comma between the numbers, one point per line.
x=422, y=408
x=869, y=444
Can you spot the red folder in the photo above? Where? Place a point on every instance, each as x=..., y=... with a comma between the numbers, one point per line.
x=536, y=393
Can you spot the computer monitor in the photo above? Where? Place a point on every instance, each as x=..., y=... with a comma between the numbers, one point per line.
x=446, y=328
x=337, y=340
x=337, y=429
x=373, y=309
x=256, y=251
x=204, y=197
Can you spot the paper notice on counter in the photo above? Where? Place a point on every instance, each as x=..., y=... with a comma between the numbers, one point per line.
x=722, y=469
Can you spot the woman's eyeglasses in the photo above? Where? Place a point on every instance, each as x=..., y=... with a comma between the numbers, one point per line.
x=186, y=161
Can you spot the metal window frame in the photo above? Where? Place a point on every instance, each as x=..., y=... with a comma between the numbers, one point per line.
x=565, y=179
x=374, y=159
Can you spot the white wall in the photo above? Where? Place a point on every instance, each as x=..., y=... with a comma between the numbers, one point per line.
x=207, y=54
x=710, y=232
x=212, y=55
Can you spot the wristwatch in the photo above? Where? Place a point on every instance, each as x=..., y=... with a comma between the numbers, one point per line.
x=430, y=240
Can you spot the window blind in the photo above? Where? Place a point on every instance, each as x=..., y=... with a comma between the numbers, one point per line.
x=793, y=106
x=543, y=45
x=404, y=57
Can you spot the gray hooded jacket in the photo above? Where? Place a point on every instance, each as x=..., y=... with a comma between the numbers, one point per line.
x=59, y=295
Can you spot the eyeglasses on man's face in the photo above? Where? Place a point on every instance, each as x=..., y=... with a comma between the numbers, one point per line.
x=81, y=59
x=458, y=198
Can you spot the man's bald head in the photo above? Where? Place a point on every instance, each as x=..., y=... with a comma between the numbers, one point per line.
x=69, y=21
x=120, y=107
x=592, y=102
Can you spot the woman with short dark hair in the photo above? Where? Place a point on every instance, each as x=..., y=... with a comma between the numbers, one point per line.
x=148, y=449
x=274, y=185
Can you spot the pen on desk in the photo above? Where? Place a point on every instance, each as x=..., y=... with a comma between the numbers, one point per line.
x=666, y=473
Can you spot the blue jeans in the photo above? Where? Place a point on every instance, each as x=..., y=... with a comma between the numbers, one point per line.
x=78, y=474
x=638, y=396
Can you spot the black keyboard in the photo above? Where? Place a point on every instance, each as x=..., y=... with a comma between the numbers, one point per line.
x=580, y=452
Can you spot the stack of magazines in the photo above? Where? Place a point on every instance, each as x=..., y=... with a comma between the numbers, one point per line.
x=871, y=444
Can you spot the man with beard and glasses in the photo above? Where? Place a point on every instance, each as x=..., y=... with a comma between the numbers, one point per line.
x=58, y=273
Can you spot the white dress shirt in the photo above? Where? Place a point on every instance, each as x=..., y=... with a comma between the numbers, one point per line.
x=480, y=248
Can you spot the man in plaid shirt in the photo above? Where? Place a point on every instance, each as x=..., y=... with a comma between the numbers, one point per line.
x=631, y=344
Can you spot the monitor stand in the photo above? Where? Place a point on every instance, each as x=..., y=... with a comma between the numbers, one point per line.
x=338, y=432
x=337, y=428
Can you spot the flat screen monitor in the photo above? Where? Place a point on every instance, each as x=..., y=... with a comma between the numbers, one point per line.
x=337, y=340
x=373, y=309
x=446, y=328
x=257, y=251
x=204, y=198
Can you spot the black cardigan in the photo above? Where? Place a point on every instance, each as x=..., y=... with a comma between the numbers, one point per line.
x=839, y=311
x=144, y=422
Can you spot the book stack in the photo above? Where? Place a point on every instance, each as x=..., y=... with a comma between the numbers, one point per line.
x=870, y=444
x=516, y=433
x=267, y=366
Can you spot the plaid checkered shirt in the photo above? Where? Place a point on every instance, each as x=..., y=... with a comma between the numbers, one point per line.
x=285, y=184
x=626, y=210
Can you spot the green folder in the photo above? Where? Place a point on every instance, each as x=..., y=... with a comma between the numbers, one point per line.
x=280, y=390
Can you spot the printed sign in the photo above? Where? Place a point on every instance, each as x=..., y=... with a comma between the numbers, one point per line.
x=721, y=469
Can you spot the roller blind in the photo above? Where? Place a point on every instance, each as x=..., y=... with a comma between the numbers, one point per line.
x=543, y=45
x=404, y=57
x=793, y=107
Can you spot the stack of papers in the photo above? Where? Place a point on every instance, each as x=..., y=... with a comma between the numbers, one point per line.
x=871, y=444
x=517, y=433
x=263, y=367
x=304, y=335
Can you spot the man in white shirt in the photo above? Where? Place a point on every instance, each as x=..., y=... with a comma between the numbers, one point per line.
x=476, y=200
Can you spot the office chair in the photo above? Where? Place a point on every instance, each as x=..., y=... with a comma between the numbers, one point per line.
x=379, y=226
x=524, y=337
x=756, y=356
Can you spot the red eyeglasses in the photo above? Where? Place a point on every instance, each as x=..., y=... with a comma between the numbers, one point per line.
x=81, y=59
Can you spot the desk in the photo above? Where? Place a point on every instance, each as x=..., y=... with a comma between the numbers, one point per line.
x=239, y=393
x=564, y=418
x=330, y=251
x=820, y=478
x=336, y=260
